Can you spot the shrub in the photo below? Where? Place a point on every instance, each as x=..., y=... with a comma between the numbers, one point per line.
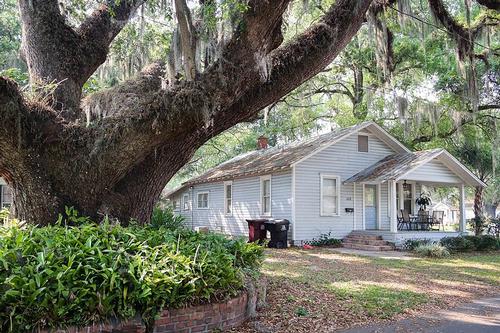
x=58, y=276
x=432, y=250
x=411, y=244
x=166, y=218
x=326, y=240
x=457, y=244
x=471, y=243
x=483, y=242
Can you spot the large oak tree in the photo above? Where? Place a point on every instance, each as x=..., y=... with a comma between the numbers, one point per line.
x=113, y=152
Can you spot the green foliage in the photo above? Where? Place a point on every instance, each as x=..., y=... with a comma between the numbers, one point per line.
x=432, y=250
x=301, y=312
x=165, y=218
x=483, y=242
x=471, y=243
x=65, y=275
x=457, y=244
x=326, y=240
x=424, y=200
x=16, y=74
x=412, y=244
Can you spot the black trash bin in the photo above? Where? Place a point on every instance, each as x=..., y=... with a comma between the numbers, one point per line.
x=279, y=233
x=256, y=230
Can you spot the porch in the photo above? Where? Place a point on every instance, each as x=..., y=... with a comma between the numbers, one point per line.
x=386, y=195
x=400, y=237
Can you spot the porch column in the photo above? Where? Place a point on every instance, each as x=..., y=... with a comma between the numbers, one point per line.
x=394, y=208
x=463, y=220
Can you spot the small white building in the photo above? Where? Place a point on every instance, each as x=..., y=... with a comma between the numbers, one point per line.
x=451, y=214
x=357, y=178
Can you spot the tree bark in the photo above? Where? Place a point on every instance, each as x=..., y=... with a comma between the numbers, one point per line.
x=478, y=210
x=115, y=154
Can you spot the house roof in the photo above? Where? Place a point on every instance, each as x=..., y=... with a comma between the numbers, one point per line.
x=396, y=166
x=277, y=159
x=393, y=166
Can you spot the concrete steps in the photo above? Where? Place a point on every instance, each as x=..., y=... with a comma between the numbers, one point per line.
x=360, y=241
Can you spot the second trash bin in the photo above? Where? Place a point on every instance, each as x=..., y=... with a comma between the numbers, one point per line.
x=256, y=230
x=279, y=233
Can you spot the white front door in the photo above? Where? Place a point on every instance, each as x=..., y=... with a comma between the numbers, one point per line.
x=370, y=206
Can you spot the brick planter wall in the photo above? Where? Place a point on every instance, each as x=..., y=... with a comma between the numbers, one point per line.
x=200, y=318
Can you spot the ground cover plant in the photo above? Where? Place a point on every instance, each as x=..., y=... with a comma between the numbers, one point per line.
x=73, y=275
x=432, y=250
x=326, y=240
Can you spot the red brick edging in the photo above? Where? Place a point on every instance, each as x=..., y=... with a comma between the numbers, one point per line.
x=200, y=318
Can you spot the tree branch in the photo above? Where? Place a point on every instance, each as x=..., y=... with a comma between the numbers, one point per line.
x=300, y=59
x=107, y=21
x=188, y=38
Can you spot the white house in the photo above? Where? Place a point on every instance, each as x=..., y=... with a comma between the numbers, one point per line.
x=451, y=214
x=353, y=179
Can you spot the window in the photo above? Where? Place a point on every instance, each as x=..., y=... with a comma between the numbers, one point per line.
x=265, y=195
x=228, y=198
x=6, y=196
x=330, y=195
x=175, y=204
x=185, y=199
x=202, y=200
x=363, y=143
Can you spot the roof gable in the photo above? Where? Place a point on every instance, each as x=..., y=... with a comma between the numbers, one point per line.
x=396, y=167
x=283, y=158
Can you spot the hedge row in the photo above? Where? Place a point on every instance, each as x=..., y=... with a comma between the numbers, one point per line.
x=72, y=276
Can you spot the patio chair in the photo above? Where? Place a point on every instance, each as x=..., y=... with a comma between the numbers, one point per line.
x=437, y=219
x=423, y=221
x=404, y=220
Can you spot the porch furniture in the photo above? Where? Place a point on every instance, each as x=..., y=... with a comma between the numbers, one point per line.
x=405, y=220
x=422, y=221
x=437, y=219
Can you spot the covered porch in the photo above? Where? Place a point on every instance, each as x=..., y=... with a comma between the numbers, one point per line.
x=387, y=192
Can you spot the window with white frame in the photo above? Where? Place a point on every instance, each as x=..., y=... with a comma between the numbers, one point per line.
x=6, y=196
x=330, y=195
x=265, y=195
x=185, y=201
x=228, y=198
x=202, y=200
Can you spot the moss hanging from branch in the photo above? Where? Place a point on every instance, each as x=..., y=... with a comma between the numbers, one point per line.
x=383, y=37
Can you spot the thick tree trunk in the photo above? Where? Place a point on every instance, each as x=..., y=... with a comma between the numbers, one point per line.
x=138, y=134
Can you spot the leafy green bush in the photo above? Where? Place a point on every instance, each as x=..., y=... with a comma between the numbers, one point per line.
x=483, y=242
x=471, y=243
x=457, y=244
x=326, y=240
x=432, y=250
x=166, y=218
x=72, y=276
x=411, y=244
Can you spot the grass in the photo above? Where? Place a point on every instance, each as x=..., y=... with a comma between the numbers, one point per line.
x=321, y=290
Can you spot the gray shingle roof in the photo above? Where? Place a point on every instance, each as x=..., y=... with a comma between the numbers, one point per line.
x=272, y=159
x=393, y=166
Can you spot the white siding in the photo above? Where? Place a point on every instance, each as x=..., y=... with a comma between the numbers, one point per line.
x=434, y=171
x=344, y=160
x=246, y=204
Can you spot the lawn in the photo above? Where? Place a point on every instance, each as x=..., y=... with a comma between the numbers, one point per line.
x=323, y=291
